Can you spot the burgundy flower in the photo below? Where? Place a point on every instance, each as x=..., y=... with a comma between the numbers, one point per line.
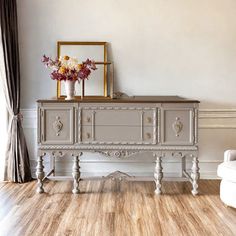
x=45, y=60
x=90, y=64
x=62, y=72
x=84, y=72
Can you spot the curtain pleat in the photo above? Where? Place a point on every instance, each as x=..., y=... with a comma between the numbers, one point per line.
x=17, y=167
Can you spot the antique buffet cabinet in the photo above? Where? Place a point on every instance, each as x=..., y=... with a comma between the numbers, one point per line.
x=119, y=127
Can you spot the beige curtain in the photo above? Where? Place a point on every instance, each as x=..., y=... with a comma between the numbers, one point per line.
x=17, y=167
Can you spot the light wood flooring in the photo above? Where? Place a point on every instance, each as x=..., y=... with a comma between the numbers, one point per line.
x=109, y=207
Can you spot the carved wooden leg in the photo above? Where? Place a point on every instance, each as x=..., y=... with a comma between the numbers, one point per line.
x=76, y=174
x=40, y=174
x=195, y=175
x=158, y=175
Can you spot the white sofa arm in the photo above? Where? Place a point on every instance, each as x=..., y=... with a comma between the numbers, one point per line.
x=230, y=155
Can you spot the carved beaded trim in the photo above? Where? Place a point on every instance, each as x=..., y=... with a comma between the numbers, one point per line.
x=117, y=108
x=196, y=125
x=100, y=147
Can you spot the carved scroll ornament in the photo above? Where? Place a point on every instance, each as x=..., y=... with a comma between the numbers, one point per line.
x=57, y=125
x=177, y=126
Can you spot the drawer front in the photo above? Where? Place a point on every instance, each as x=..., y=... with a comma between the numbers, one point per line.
x=57, y=125
x=118, y=124
x=118, y=116
x=118, y=134
x=177, y=126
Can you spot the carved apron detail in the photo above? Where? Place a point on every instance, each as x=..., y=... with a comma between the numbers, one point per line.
x=118, y=175
x=117, y=154
x=57, y=125
x=177, y=126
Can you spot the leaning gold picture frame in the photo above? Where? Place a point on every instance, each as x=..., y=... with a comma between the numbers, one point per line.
x=99, y=87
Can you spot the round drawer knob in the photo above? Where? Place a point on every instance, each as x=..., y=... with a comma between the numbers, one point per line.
x=88, y=135
x=148, y=135
x=88, y=119
x=149, y=119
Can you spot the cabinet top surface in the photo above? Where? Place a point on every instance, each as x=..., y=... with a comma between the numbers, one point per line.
x=133, y=99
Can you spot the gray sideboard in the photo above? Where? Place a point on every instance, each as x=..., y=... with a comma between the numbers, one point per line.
x=162, y=125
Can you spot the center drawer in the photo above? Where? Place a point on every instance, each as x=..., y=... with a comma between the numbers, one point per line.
x=118, y=116
x=116, y=124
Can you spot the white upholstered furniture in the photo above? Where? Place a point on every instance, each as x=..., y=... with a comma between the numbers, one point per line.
x=227, y=171
x=164, y=126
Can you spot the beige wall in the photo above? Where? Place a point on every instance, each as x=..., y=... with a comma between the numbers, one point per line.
x=171, y=47
x=183, y=47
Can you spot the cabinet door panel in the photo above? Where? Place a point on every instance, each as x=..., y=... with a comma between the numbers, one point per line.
x=58, y=126
x=177, y=126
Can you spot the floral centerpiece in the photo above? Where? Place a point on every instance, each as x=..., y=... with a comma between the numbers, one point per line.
x=68, y=69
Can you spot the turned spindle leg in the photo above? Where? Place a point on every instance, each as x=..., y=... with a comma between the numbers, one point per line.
x=158, y=175
x=40, y=174
x=195, y=175
x=76, y=174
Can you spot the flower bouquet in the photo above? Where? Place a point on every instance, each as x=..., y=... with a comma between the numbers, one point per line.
x=68, y=69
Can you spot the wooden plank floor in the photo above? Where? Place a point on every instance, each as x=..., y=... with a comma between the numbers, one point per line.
x=114, y=208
